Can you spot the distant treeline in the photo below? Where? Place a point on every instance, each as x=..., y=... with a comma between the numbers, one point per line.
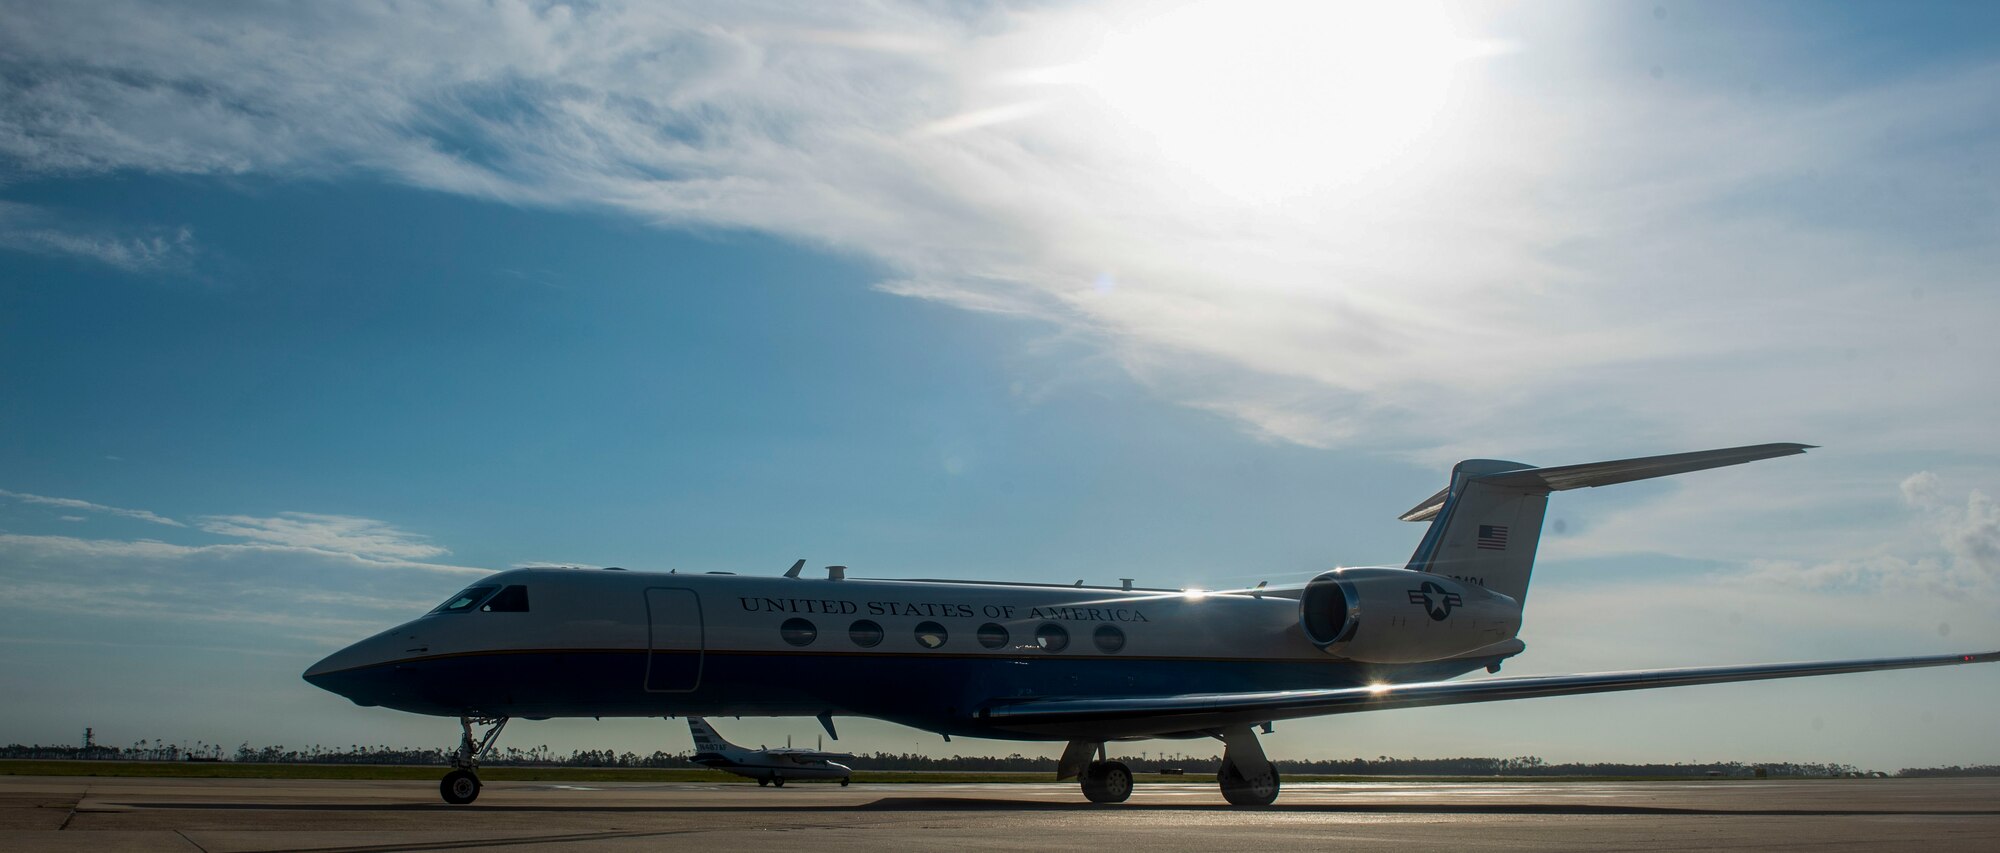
x=1954, y=770
x=1147, y=762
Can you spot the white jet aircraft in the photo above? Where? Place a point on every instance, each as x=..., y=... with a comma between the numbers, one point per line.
x=767, y=766
x=1074, y=664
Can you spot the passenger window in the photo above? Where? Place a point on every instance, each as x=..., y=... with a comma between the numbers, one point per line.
x=1109, y=639
x=931, y=635
x=992, y=635
x=865, y=633
x=466, y=600
x=798, y=632
x=513, y=599
x=1051, y=637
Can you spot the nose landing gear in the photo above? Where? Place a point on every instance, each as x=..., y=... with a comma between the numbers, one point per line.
x=461, y=785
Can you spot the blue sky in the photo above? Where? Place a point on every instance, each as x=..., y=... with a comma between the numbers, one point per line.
x=308, y=314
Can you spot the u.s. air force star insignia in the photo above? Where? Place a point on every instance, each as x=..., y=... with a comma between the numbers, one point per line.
x=1435, y=600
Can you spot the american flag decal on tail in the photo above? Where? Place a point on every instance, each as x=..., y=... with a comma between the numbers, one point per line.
x=1493, y=537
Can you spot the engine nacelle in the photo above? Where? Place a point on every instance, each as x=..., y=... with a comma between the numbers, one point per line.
x=1379, y=615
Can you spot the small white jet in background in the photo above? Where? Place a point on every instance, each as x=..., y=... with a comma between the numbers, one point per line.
x=767, y=766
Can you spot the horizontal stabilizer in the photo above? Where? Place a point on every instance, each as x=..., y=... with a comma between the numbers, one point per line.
x=1616, y=471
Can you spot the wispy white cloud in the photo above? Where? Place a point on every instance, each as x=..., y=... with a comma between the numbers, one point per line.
x=292, y=576
x=278, y=588
x=332, y=575
x=364, y=538
x=1919, y=542
x=113, y=549
x=1962, y=560
x=31, y=229
x=146, y=644
x=87, y=506
x=1514, y=272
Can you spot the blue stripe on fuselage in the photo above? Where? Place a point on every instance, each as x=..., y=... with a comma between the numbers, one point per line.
x=934, y=693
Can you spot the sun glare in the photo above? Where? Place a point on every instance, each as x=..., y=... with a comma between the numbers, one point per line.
x=1265, y=99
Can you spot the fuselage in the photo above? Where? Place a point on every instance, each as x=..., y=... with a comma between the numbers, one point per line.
x=929, y=654
x=1083, y=665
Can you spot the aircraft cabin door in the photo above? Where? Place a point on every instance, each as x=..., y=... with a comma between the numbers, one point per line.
x=673, y=657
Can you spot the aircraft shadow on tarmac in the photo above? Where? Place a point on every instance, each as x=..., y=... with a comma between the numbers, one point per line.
x=941, y=804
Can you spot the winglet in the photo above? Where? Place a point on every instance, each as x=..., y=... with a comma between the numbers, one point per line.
x=794, y=570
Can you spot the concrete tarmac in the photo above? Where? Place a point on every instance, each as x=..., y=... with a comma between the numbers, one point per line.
x=232, y=815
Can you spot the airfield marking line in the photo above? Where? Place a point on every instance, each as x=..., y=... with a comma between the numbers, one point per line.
x=475, y=843
x=184, y=837
x=73, y=807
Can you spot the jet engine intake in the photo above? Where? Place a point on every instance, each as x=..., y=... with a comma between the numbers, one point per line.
x=1383, y=615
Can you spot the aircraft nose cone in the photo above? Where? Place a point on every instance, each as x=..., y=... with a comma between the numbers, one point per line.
x=359, y=671
x=316, y=673
x=336, y=673
x=347, y=658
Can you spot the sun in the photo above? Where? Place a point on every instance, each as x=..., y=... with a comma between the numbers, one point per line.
x=1265, y=100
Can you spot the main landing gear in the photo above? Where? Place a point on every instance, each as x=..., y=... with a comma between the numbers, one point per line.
x=1104, y=780
x=1247, y=778
x=461, y=785
x=1107, y=782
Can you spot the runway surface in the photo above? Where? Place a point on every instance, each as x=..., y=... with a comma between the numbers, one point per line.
x=230, y=815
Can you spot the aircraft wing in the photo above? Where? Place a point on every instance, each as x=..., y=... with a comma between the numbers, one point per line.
x=1141, y=716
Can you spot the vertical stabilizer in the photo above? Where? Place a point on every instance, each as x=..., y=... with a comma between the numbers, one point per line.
x=1484, y=533
x=706, y=739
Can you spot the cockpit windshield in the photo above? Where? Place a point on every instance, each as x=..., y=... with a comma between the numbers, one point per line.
x=513, y=599
x=465, y=600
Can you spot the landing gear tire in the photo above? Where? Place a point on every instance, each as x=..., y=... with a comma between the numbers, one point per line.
x=1261, y=790
x=778, y=781
x=459, y=787
x=844, y=781
x=1107, y=782
x=762, y=782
